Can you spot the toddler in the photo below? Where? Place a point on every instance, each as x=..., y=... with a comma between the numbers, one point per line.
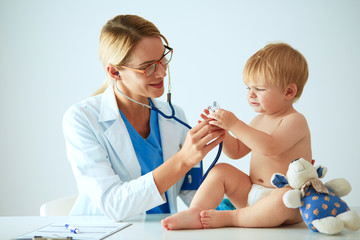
x=275, y=77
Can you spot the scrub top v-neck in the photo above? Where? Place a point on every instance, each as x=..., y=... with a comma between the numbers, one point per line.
x=148, y=152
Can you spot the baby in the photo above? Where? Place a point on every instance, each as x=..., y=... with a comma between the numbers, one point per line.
x=275, y=77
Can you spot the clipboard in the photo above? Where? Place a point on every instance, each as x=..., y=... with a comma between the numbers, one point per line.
x=88, y=231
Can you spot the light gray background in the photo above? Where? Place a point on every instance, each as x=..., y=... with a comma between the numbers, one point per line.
x=49, y=60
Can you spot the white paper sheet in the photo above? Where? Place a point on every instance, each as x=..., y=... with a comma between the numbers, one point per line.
x=86, y=231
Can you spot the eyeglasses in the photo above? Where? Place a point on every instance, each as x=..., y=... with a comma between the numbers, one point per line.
x=149, y=70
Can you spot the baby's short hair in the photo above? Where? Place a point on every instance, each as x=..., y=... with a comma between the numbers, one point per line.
x=279, y=64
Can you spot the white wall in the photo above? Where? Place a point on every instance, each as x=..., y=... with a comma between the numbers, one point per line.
x=49, y=60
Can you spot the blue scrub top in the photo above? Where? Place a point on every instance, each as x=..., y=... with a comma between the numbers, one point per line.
x=149, y=152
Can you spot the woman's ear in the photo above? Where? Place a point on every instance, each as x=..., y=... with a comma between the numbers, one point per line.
x=113, y=72
x=291, y=91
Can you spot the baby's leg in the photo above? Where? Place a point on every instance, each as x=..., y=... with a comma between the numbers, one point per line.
x=267, y=212
x=222, y=179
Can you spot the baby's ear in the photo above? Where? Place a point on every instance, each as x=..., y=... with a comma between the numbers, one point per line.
x=291, y=91
x=278, y=180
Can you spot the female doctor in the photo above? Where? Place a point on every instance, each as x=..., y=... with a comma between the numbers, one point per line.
x=126, y=158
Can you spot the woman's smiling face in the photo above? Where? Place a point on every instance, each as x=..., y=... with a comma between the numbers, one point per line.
x=135, y=84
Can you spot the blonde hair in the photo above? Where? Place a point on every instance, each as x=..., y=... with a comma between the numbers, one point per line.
x=279, y=64
x=118, y=38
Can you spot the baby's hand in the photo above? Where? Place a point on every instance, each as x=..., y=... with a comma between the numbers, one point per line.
x=209, y=110
x=223, y=119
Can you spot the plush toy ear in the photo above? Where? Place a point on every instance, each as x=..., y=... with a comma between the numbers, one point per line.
x=321, y=171
x=279, y=180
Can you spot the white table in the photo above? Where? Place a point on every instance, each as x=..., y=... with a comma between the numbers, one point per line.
x=149, y=227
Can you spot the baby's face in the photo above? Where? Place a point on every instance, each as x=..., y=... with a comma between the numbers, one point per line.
x=265, y=97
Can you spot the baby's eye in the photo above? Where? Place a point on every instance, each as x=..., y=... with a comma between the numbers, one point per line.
x=260, y=89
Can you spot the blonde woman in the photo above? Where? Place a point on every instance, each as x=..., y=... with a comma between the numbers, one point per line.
x=126, y=158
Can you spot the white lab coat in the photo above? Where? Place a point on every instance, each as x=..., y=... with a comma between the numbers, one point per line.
x=104, y=162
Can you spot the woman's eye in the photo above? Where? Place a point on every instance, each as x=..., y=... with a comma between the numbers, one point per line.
x=146, y=66
x=143, y=68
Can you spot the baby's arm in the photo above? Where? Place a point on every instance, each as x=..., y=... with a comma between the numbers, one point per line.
x=234, y=148
x=267, y=144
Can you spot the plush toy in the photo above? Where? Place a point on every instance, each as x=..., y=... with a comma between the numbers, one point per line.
x=320, y=205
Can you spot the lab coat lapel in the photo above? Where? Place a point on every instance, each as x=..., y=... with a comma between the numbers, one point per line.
x=118, y=135
x=119, y=138
x=171, y=135
x=170, y=131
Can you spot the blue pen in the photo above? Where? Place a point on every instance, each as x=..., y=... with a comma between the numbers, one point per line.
x=72, y=229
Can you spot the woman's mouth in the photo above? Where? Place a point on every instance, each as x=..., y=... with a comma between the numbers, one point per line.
x=158, y=85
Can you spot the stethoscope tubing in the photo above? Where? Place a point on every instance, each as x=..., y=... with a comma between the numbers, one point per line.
x=172, y=116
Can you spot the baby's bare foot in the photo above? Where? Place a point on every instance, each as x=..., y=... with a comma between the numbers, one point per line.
x=188, y=219
x=215, y=219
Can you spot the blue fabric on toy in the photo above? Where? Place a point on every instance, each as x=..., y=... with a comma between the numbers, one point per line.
x=320, y=205
x=279, y=181
x=320, y=172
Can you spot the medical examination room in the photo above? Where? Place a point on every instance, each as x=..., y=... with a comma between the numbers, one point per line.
x=114, y=112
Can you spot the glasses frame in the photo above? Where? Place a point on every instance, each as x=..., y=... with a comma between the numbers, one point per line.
x=143, y=71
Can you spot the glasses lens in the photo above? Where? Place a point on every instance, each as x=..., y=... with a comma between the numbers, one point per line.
x=164, y=61
x=167, y=57
x=151, y=69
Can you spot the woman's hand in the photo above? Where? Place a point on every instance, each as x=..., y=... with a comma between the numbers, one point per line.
x=200, y=140
x=205, y=115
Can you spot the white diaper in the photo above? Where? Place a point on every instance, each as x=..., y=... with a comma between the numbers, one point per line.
x=258, y=192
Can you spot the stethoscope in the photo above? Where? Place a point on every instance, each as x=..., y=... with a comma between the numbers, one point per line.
x=172, y=116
